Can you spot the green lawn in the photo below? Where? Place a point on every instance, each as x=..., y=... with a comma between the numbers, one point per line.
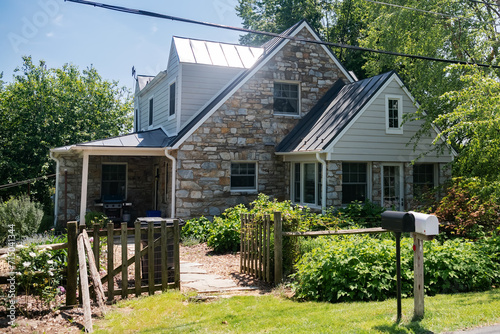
x=172, y=312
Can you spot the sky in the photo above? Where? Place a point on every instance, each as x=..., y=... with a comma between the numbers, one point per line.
x=60, y=32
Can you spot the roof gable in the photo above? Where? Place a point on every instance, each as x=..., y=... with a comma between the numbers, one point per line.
x=271, y=48
x=316, y=133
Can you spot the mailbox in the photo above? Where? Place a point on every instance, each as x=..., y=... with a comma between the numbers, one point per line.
x=426, y=224
x=397, y=221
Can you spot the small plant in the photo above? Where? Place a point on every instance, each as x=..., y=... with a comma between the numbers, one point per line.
x=96, y=217
x=21, y=213
x=39, y=273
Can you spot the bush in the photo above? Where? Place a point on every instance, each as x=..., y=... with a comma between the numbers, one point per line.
x=197, y=229
x=364, y=214
x=40, y=272
x=22, y=214
x=469, y=208
x=224, y=235
x=359, y=267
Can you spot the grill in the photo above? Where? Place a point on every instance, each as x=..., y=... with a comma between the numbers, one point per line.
x=113, y=208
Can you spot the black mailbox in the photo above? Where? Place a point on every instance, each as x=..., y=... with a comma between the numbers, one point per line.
x=397, y=221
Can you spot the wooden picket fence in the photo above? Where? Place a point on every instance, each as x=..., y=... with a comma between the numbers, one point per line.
x=156, y=252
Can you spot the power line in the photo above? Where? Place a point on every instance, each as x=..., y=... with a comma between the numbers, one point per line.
x=414, y=9
x=251, y=31
x=19, y=183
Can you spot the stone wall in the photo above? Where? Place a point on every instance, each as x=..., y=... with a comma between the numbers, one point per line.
x=244, y=129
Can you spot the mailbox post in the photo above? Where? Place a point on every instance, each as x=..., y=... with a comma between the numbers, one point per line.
x=426, y=228
x=398, y=222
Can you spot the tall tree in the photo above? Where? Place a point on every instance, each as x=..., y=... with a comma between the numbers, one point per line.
x=45, y=108
x=335, y=20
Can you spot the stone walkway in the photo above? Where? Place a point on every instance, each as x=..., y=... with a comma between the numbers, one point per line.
x=194, y=277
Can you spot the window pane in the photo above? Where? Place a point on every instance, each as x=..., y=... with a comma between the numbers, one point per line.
x=393, y=111
x=114, y=182
x=296, y=197
x=286, y=98
x=354, y=182
x=423, y=178
x=151, y=112
x=310, y=183
x=172, y=99
x=243, y=176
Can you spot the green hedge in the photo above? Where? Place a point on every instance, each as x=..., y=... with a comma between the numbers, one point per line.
x=364, y=268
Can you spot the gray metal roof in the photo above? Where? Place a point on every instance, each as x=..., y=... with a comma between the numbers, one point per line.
x=215, y=53
x=331, y=115
x=145, y=139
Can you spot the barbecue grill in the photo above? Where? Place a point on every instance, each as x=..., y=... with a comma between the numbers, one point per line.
x=113, y=208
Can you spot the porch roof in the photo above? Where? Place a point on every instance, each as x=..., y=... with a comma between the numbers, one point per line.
x=151, y=139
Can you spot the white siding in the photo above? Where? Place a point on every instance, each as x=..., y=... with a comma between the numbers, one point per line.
x=200, y=83
x=367, y=140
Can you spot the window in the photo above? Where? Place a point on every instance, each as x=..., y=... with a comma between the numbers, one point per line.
x=136, y=120
x=151, y=111
x=244, y=176
x=394, y=114
x=354, y=182
x=114, y=182
x=172, y=100
x=307, y=183
x=423, y=178
x=286, y=98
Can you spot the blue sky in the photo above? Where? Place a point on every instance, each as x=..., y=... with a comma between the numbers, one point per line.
x=62, y=32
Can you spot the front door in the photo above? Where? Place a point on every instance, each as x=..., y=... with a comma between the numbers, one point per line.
x=392, y=187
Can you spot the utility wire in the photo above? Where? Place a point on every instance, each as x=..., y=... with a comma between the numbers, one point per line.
x=251, y=31
x=415, y=9
x=15, y=184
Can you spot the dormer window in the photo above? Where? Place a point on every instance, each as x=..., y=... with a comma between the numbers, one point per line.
x=171, y=111
x=394, y=114
x=286, y=98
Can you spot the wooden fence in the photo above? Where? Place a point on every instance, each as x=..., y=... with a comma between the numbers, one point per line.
x=155, y=251
x=259, y=257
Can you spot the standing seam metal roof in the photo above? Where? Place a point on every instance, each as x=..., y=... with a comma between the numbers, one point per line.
x=323, y=124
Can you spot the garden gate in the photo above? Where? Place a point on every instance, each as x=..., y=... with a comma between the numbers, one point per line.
x=155, y=249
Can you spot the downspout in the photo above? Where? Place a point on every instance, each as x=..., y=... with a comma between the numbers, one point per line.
x=323, y=182
x=174, y=177
x=56, y=195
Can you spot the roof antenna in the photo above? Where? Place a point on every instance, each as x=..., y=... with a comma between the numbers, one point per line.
x=133, y=73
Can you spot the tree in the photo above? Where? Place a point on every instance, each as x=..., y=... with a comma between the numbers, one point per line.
x=336, y=21
x=45, y=108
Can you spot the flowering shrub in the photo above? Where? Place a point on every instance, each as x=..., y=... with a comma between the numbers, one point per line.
x=39, y=272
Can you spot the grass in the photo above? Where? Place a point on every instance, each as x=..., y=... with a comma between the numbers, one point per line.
x=172, y=312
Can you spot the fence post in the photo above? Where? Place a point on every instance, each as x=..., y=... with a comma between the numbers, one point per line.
x=72, y=264
x=418, y=283
x=278, y=245
x=177, y=264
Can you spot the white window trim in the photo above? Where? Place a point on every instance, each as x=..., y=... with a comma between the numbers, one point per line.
x=398, y=130
x=299, y=99
x=247, y=191
x=126, y=175
x=317, y=165
x=150, y=126
x=170, y=117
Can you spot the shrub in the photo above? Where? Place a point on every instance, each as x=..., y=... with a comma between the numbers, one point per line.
x=364, y=214
x=39, y=272
x=25, y=216
x=196, y=229
x=224, y=235
x=469, y=208
x=359, y=267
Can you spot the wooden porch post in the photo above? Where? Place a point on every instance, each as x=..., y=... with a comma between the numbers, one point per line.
x=85, y=176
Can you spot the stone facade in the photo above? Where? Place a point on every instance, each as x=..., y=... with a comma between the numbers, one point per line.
x=245, y=129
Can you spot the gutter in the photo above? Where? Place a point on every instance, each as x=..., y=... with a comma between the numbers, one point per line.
x=56, y=195
x=323, y=182
x=174, y=177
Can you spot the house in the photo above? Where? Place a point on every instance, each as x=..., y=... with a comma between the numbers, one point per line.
x=225, y=122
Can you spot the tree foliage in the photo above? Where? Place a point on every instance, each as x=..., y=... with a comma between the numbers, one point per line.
x=46, y=108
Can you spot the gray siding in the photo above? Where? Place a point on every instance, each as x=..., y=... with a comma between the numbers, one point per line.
x=367, y=140
x=199, y=85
